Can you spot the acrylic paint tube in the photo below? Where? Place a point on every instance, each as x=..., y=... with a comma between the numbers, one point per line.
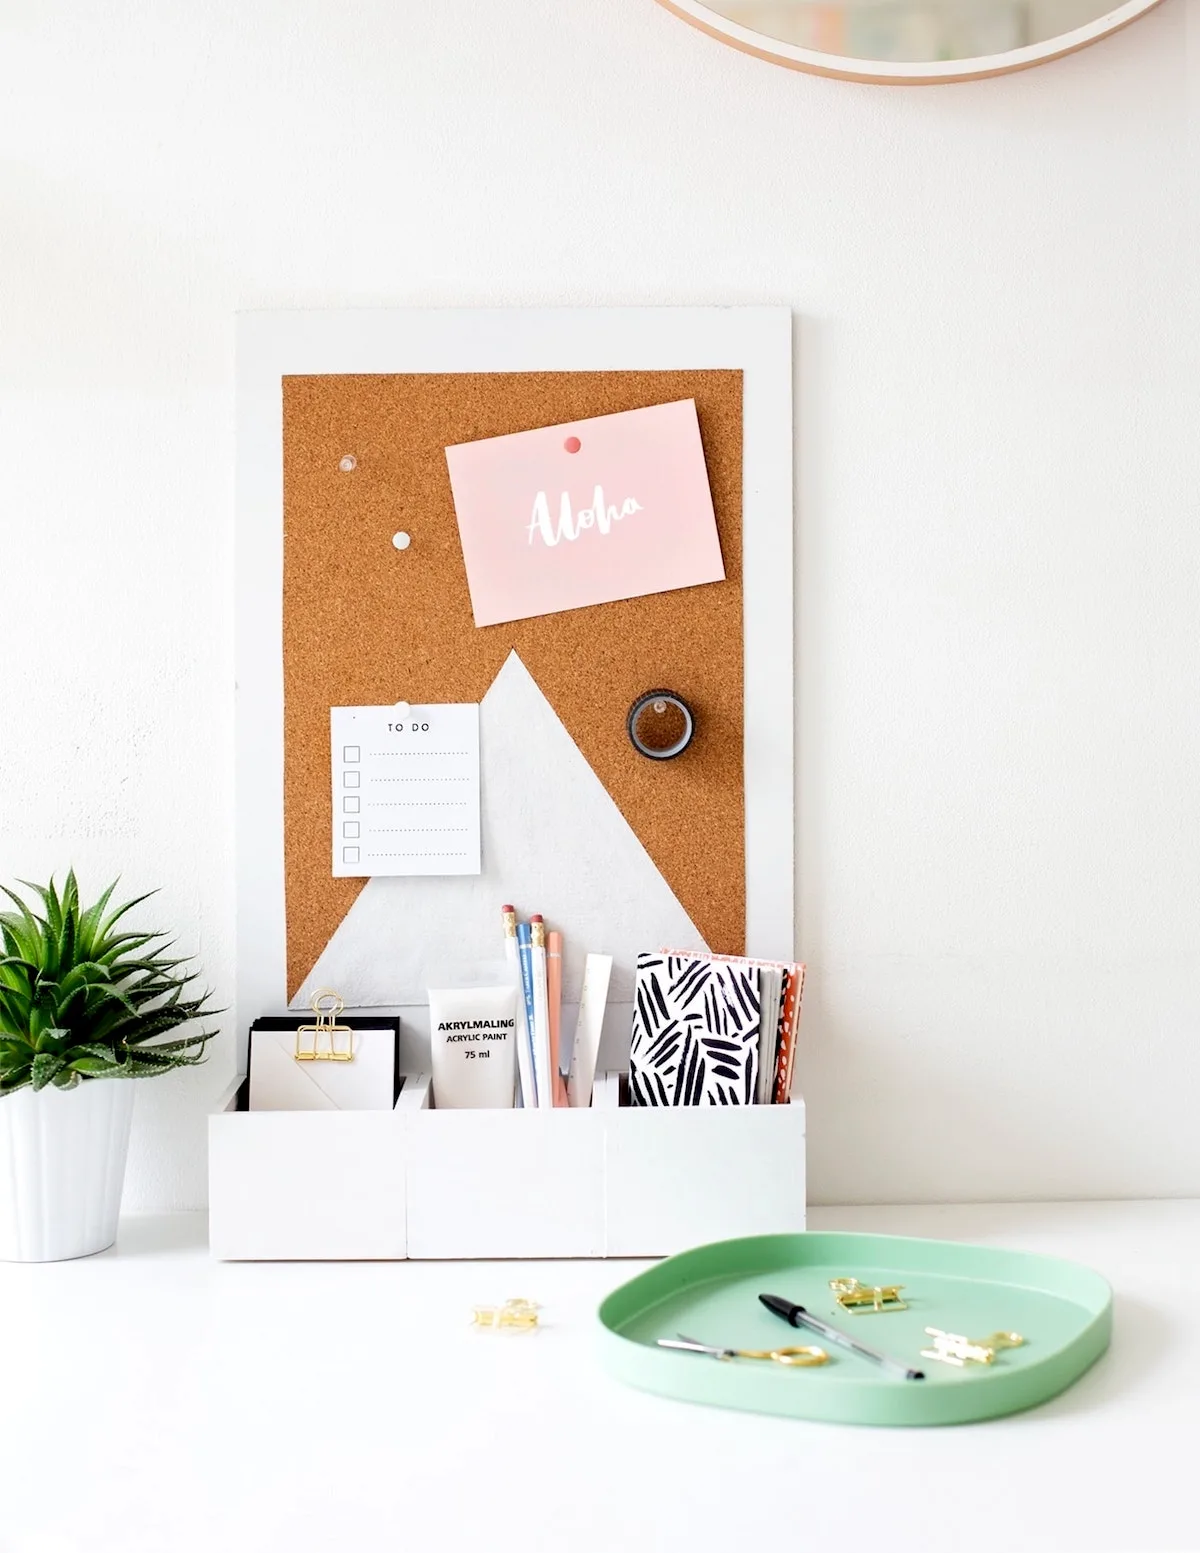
x=472, y=1033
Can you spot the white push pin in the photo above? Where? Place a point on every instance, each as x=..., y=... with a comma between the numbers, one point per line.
x=402, y=540
x=403, y=708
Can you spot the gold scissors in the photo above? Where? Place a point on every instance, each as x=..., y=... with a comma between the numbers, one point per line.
x=789, y=1356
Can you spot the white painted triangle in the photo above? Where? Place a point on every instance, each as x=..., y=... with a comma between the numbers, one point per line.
x=553, y=841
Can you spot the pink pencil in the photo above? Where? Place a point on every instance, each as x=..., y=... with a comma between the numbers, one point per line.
x=554, y=943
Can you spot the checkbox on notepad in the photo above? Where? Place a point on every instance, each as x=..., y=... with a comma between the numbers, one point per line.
x=350, y=805
x=350, y=829
x=351, y=753
x=349, y=854
x=351, y=778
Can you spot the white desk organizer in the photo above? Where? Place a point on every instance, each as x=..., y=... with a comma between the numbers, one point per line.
x=420, y=1184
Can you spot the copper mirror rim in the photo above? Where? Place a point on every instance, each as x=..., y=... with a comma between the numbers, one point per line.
x=904, y=73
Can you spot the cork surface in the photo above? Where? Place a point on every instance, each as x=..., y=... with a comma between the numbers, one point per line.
x=366, y=624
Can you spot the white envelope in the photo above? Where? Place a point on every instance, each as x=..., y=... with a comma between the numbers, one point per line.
x=279, y=1083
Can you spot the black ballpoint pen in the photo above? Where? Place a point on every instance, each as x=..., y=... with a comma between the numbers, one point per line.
x=797, y=1316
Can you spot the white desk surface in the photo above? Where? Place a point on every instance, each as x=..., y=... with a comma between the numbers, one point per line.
x=155, y=1400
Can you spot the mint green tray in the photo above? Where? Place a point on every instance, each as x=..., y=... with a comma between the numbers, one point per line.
x=1063, y=1311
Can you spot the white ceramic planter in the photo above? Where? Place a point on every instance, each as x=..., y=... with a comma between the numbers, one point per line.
x=62, y=1168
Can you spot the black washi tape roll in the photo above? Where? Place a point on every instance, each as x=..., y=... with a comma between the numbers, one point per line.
x=660, y=725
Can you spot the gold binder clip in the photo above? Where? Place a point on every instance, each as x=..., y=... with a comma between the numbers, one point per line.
x=326, y=1005
x=950, y=1348
x=512, y=1316
x=866, y=1298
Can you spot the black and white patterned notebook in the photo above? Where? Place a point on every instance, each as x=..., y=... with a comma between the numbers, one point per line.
x=695, y=1032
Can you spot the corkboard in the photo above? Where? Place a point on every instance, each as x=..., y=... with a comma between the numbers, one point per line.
x=365, y=624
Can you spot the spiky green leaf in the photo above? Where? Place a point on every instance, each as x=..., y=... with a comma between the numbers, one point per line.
x=90, y=920
x=116, y=916
x=43, y=1068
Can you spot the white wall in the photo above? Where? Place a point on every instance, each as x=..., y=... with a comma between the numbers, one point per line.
x=999, y=552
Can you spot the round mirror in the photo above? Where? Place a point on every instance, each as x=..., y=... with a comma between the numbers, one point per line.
x=909, y=40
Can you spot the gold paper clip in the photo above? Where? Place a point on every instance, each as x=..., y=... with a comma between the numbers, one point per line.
x=950, y=1348
x=864, y=1298
x=326, y=1005
x=512, y=1316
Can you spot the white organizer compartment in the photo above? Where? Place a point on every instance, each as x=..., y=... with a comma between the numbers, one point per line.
x=416, y=1183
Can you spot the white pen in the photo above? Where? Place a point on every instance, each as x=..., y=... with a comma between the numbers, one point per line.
x=524, y=1045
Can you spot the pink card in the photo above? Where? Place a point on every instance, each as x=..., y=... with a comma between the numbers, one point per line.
x=585, y=513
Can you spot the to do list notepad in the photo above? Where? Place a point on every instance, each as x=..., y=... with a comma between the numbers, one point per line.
x=405, y=790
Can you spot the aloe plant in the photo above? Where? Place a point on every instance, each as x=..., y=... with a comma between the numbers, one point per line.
x=81, y=1000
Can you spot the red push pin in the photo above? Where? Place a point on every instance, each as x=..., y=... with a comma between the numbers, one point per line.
x=572, y=444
